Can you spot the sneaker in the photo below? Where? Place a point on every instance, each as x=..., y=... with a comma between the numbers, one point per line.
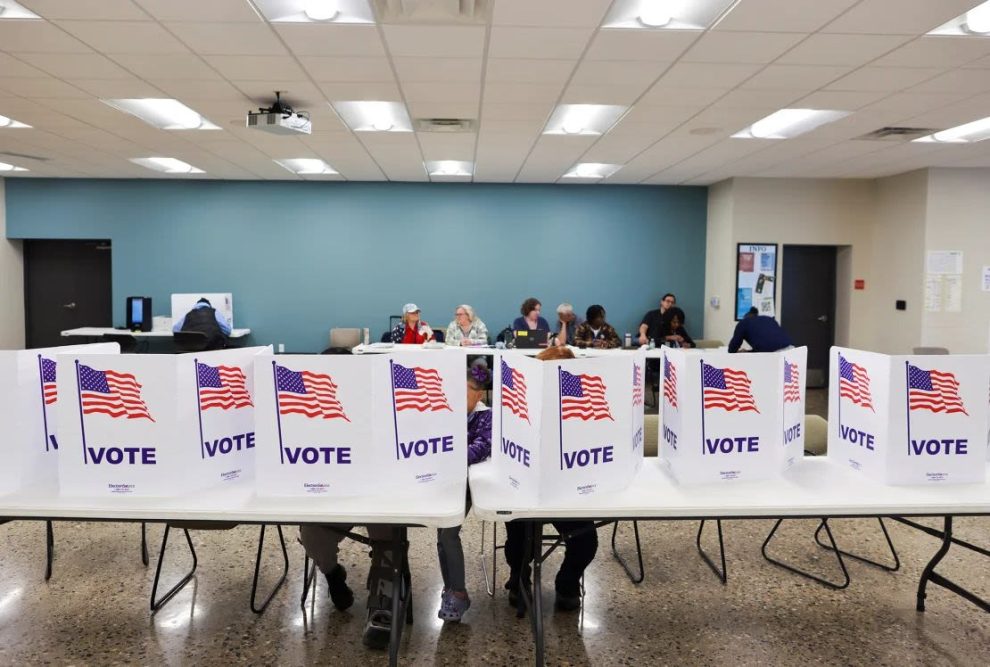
x=378, y=630
x=567, y=602
x=341, y=595
x=453, y=606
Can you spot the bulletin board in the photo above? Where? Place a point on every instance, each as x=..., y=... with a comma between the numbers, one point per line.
x=756, y=278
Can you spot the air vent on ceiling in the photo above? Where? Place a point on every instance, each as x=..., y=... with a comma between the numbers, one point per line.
x=434, y=11
x=25, y=156
x=896, y=134
x=444, y=125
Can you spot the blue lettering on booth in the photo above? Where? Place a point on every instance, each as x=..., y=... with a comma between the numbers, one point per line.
x=638, y=439
x=515, y=452
x=127, y=455
x=946, y=446
x=233, y=443
x=670, y=437
x=741, y=445
x=792, y=434
x=590, y=456
x=856, y=437
x=53, y=441
x=426, y=446
x=321, y=455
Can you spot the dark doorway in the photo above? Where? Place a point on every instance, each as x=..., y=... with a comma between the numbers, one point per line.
x=808, y=304
x=66, y=285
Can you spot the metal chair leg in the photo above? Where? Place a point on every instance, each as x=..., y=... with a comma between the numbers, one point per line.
x=157, y=604
x=835, y=550
x=635, y=578
x=49, y=549
x=890, y=544
x=257, y=568
x=722, y=574
x=490, y=582
x=144, y=544
x=309, y=580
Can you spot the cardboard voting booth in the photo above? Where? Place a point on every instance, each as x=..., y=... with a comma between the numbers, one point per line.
x=567, y=428
x=731, y=416
x=155, y=425
x=29, y=402
x=909, y=419
x=340, y=425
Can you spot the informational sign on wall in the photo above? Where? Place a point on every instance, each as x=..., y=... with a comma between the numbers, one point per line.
x=756, y=278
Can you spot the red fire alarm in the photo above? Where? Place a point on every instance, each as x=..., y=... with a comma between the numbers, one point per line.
x=859, y=284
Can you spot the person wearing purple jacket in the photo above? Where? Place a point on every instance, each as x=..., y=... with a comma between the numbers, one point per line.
x=454, y=600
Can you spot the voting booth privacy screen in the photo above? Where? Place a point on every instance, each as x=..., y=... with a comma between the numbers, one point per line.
x=731, y=416
x=29, y=401
x=909, y=419
x=567, y=429
x=341, y=425
x=155, y=425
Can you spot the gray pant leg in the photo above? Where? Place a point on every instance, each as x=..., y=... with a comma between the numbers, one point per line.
x=322, y=543
x=451, y=554
x=380, y=572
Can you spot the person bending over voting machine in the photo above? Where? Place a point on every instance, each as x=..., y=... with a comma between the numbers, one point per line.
x=672, y=331
x=454, y=600
x=467, y=328
x=649, y=328
x=205, y=319
x=761, y=332
x=579, y=550
x=411, y=330
x=567, y=324
x=596, y=332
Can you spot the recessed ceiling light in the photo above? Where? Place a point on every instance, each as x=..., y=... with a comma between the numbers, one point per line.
x=307, y=166
x=10, y=123
x=165, y=114
x=970, y=133
x=322, y=10
x=666, y=14
x=374, y=116
x=655, y=14
x=316, y=11
x=167, y=165
x=583, y=119
x=788, y=123
x=974, y=22
x=9, y=167
x=450, y=170
x=592, y=170
x=12, y=10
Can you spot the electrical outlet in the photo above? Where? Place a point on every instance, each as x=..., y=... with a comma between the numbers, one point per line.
x=281, y=348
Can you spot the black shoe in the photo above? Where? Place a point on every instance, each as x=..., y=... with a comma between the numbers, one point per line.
x=341, y=595
x=378, y=630
x=513, y=588
x=567, y=602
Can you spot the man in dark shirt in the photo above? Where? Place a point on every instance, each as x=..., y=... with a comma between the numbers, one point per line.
x=761, y=332
x=650, y=327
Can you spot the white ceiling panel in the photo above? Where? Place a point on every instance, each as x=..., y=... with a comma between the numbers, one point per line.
x=523, y=70
x=522, y=93
x=199, y=90
x=516, y=112
x=956, y=81
x=37, y=37
x=884, y=78
x=448, y=70
x=200, y=10
x=559, y=13
x=47, y=87
x=442, y=92
x=898, y=17
x=617, y=73
x=625, y=95
x=347, y=68
x=436, y=109
x=81, y=65
x=435, y=41
x=440, y=146
x=118, y=88
x=936, y=51
x=306, y=39
x=662, y=94
x=769, y=100
x=702, y=75
x=228, y=38
x=741, y=47
x=360, y=90
x=257, y=68
x=782, y=15
x=794, y=78
x=124, y=36
x=120, y=10
x=644, y=45
x=840, y=100
x=850, y=50
x=552, y=43
x=184, y=66
x=299, y=94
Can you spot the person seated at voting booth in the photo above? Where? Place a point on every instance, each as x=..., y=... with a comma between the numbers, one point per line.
x=466, y=328
x=580, y=547
x=411, y=330
x=672, y=331
x=207, y=320
x=454, y=600
x=596, y=332
x=531, y=318
x=567, y=324
x=649, y=328
x=763, y=333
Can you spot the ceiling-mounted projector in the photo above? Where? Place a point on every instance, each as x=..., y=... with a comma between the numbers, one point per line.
x=279, y=118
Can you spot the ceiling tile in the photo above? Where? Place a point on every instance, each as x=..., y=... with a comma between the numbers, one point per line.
x=523, y=93
x=118, y=88
x=47, y=87
x=184, y=66
x=526, y=111
x=200, y=10
x=782, y=15
x=956, y=81
x=936, y=51
x=430, y=108
x=301, y=95
x=552, y=43
x=522, y=70
x=701, y=75
x=796, y=78
x=37, y=37
x=124, y=36
x=577, y=93
x=450, y=70
x=85, y=9
x=851, y=50
x=617, y=73
x=550, y=13
x=228, y=38
x=440, y=146
x=741, y=47
x=435, y=41
x=898, y=17
x=843, y=100
x=646, y=45
x=442, y=92
x=257, y=68
x=770, y=100
x=884, y=78
x=306, y=39
x=341, y=91
x=199, y=90
x=79, y=65
x=664, y=95
x=347, y=68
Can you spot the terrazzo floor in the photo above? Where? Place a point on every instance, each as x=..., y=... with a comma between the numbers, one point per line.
x=94, y=611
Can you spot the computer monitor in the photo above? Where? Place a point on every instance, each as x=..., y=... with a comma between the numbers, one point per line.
x=139, y=313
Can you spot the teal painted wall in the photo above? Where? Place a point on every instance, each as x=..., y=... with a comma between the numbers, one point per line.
x=303, y=257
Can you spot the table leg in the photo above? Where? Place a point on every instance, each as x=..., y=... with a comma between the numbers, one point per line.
x=257, y=568
x=930, y=575
x=144, y=544
x=635, y=578
x=723, y=575
x=158, y=604
x=890, y=545
x=309, y=574
x=401, y=593
x=537, y=610
x=835, y=550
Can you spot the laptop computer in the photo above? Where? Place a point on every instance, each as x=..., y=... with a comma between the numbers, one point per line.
x=531, y=338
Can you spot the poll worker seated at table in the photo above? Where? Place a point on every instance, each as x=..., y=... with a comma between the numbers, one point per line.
x=531, y=318
x=596, y=332
x=672, y=331
x=567, y=324
x=649, y=328
x=454, y=600
x=761, y=332
x=205, y=319
x=411, y=330
x=466, y=328
x=579, y=549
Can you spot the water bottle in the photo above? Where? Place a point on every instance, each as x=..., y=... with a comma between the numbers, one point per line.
x=367, y=336
x=653, y=344
x=628, y=340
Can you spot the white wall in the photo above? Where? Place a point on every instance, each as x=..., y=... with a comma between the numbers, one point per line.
x=958, y=218
x=11, y=285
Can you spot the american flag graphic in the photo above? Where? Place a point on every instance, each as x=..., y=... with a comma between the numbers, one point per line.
x=669, y=383
x=792, y=379
x=222, y=387
x=934, y=390
x=727, y=388
x=637, y=393
x=514, y=392
x=418, y=389
x=307, y=393
x=48, y=386
x=854, y=383
x=582, y=397
x=111, y=393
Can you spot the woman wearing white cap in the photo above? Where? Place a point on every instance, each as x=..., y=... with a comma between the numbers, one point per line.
x=411, y=330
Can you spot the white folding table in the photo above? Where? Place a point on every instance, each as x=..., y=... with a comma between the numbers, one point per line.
x=97, y=332
x=439, y=507
x=814, y=488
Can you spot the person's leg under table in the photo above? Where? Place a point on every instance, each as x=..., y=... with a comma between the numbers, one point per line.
x=581, y=540
x=322, y=544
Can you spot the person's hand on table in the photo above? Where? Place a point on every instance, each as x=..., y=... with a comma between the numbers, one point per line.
x=643, y=340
